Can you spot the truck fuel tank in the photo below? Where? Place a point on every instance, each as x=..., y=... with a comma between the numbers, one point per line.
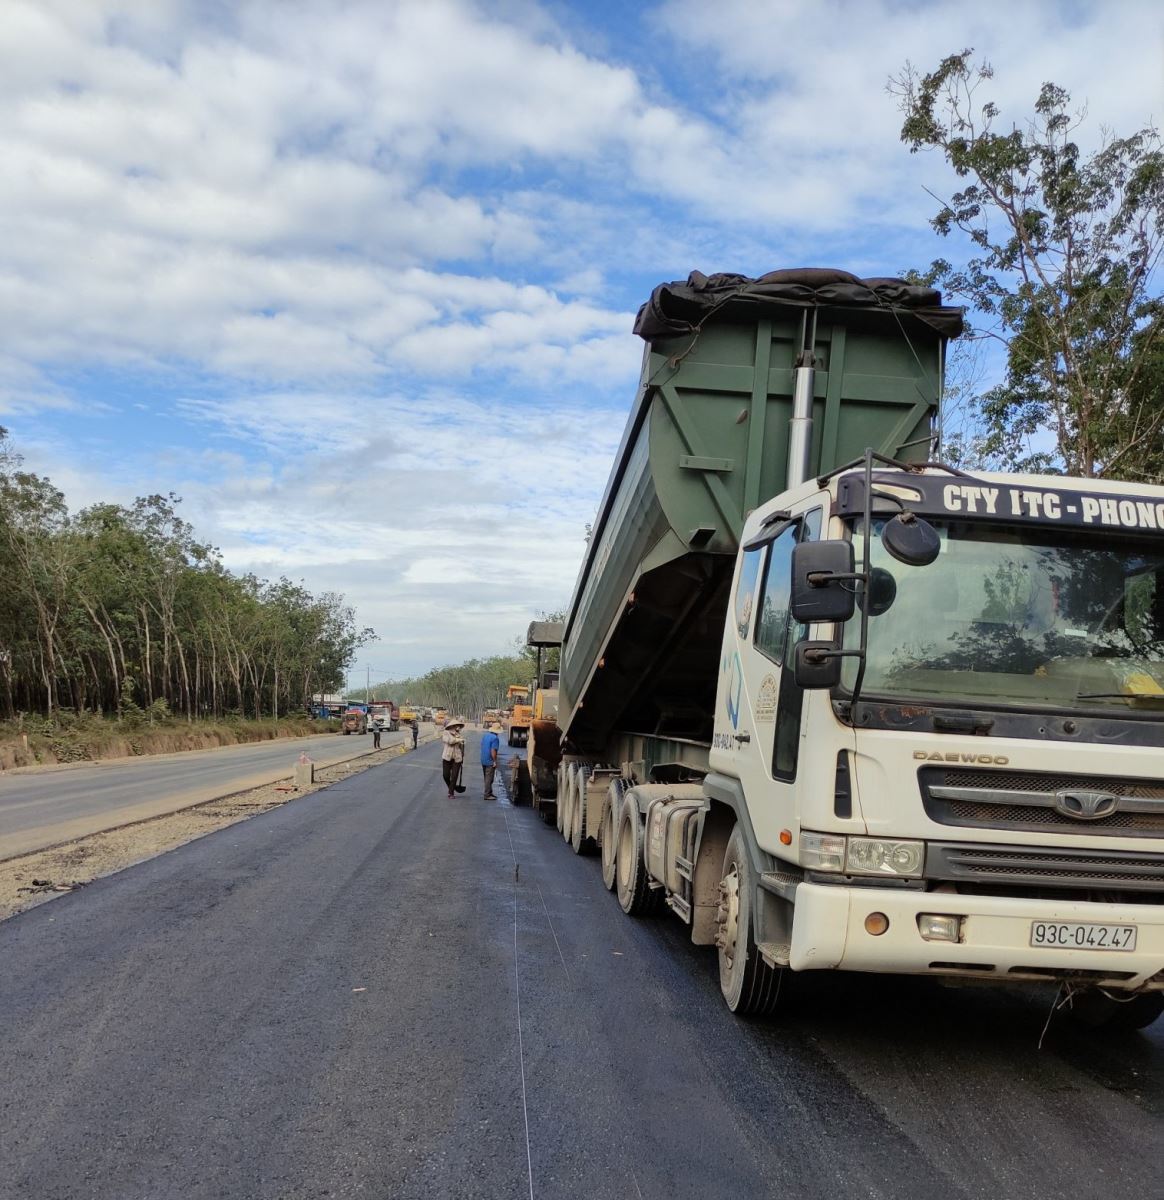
x=672, y=823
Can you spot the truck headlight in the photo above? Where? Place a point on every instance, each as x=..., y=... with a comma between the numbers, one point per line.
x=822, y=851
x=873, y=856
x=939, y=927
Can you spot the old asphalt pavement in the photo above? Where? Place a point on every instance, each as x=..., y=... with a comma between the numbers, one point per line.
x=378, y=992
x=48, y=805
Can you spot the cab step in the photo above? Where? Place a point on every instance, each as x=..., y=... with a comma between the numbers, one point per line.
x=775, y=954
x=781, y=883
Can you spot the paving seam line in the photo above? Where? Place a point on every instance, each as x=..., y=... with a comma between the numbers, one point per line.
x=517, y=997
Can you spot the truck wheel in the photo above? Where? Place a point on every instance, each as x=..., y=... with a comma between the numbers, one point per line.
x=564, y=801
x=1096, y=1009
x=611, y=806
x=579, y=839
x=749, y=985
x=576, y=786
x=632, y=886
x=573, y=774
x=560, y=805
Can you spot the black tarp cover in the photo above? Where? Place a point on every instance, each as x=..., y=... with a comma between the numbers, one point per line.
x=681, y=307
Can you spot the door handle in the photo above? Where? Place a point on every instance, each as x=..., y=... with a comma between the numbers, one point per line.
x=741, y=738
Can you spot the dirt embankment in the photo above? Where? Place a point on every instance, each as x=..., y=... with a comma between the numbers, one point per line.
x=101, y=740
x=34, y=878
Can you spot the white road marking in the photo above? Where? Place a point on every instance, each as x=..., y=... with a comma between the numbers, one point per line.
x=554, y=932
x=517, y=995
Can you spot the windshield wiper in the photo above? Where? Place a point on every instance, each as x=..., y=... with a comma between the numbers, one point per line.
x=1120, y=696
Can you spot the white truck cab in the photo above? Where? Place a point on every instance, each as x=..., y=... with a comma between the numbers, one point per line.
x=965, y=774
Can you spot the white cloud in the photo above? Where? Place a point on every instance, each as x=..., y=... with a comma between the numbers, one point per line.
x=424, y=506
x=24, y=391
x=392, y=250
x=804, y=85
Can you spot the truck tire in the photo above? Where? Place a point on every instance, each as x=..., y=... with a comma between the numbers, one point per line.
x=748, y=984
x=1095, y=1009
x=572, y=810
x=580, y=841
x=560, y=804
x=608, y=835
x=636, y=898
x=572, y=772
x=564, y=800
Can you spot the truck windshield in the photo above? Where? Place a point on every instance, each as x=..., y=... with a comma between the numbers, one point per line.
x=1019, y=617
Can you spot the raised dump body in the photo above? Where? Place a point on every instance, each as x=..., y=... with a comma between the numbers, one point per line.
x=708, y=439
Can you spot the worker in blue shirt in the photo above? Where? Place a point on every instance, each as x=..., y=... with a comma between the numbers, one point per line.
x=490, y=746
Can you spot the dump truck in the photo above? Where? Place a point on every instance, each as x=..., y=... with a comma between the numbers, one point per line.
x=354, y=720
x=840, y=707
x=384, y=715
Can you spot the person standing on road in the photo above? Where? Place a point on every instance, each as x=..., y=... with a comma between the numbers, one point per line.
x=415, y=732
x=377, y=729
x=490, y=745
x=453, y=754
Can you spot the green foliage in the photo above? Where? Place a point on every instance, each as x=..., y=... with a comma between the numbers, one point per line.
x=1062, y=268
x=473, y=686
x=467, y=688
x=122, y=610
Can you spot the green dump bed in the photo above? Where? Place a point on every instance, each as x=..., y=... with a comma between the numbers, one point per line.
x=706, y=442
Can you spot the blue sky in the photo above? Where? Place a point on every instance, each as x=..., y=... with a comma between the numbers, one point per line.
x=356, y=280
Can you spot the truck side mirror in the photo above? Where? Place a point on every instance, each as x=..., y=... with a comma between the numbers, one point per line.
x=911, y=540
x=822, y=582
x=816, y=665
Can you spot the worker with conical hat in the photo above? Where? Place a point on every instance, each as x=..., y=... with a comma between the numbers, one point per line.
x=453, y=754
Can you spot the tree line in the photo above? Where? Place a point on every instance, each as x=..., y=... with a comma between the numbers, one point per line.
x=467, y=689
x=471, y=687
x=121, y=607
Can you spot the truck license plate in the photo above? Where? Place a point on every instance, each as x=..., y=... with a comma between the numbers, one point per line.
x=1076, y=936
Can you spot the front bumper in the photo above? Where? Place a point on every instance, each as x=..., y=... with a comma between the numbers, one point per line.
x=828, y=932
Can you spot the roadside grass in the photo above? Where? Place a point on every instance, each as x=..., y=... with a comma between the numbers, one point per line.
x=68, y=737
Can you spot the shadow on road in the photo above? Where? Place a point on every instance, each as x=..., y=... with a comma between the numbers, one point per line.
x=942, y=1029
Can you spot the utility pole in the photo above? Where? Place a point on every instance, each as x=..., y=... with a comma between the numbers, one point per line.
x=368, y=685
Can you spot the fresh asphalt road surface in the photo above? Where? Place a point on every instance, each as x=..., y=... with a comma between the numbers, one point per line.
x=43, y=807
x=378, y=992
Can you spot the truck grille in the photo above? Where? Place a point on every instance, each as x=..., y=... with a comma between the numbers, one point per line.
x=985, y=799
x=1038, y=865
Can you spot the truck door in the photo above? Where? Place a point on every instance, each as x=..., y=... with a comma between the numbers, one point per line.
x=761, y=703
